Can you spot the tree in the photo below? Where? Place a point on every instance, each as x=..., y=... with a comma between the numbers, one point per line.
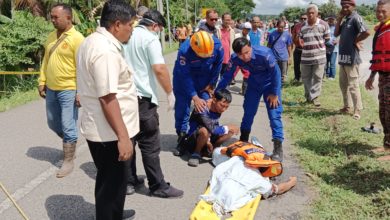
x=329, y=9
x=240, y=8
x=292, y=13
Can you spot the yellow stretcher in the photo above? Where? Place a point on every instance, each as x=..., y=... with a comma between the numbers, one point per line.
x=204, y=211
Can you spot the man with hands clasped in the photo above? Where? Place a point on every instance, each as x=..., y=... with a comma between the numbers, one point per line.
x=144, y=54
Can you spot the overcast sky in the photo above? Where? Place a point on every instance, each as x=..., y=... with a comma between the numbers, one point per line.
x=275, y=7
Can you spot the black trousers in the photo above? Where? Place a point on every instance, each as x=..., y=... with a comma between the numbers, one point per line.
x=148, y=140
x=297, y=63
x=110, y=187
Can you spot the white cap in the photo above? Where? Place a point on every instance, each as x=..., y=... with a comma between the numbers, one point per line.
x=247, y=25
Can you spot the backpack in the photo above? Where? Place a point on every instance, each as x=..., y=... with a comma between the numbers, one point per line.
x=255, y=156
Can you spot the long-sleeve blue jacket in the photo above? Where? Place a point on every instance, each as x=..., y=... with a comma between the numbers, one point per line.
x=262, y=67
x=191, y=73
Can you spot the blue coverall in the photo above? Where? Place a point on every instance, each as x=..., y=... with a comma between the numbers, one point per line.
x=191, y=75
x=264, y=79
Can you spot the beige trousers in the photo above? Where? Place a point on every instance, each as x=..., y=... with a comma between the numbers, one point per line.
x=350, y=88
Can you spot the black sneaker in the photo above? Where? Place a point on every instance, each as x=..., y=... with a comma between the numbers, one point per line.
x=168, y=193
x=180, y=149
x=128, y=214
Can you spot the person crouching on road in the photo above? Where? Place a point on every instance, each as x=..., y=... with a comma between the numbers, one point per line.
x=205, y=132
x=198, y=64
x=264, y=80
x=381, y=63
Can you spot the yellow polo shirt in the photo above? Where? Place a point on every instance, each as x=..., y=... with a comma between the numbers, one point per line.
x=59, y=71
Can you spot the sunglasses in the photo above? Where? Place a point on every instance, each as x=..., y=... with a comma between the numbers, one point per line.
x=303, y=18
x=213, y=19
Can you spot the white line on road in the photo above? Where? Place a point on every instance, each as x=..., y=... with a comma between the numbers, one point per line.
x=30, y=186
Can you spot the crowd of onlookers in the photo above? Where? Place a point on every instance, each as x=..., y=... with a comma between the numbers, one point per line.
x=119, y=70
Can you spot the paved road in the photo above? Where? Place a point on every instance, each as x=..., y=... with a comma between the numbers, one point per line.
x=31, y=154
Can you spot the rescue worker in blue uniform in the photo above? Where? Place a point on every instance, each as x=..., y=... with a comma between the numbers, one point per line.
x=264, y=80
x=199, y=61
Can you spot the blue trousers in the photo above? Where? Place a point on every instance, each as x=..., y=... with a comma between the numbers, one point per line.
x=62, y=114
x=183, y=110
x=251, y=103
x=331, y=65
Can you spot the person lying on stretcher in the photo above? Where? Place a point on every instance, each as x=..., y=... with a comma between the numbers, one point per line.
x=255, y=157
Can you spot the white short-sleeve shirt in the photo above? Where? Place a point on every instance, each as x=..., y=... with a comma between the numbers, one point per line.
x=102, y=70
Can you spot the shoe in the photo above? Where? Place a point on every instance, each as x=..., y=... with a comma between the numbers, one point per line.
x=194, y=160
x=170, y=192
x=128, y=214
x=345, y=110
x=277, y=154
x=180, y=149
x=316, y=102
x=130, y=188
x=68, y=164
x=244, y=136
x=331, y=78
x=371, y=129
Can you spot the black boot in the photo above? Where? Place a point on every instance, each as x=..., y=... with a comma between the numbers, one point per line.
x=244, y=135
x=278, y=151
x=180, y=148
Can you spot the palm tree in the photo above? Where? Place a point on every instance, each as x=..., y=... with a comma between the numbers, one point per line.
x=36, y=7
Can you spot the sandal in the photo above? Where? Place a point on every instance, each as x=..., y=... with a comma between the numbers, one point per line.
x=345, y=110
x=356, y=116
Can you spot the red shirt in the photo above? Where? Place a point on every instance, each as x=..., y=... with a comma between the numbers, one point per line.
x=295, y=34
x=225, y=39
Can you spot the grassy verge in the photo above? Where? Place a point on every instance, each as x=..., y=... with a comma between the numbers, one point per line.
x=333, y=149
x=17, y=98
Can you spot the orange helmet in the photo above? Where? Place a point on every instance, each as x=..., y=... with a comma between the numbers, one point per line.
x=202, y=44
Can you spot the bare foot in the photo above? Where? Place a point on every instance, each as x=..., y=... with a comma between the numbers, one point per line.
x=286, y=186
x=380, y=150
x=384, y=158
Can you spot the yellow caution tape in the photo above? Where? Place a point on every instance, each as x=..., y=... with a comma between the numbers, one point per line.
x=14, y=202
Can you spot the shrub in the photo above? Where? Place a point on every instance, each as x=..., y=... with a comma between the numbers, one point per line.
x=21, y=41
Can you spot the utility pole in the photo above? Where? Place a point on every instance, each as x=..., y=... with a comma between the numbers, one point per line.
x=195, y=14
x=160, y=8
x=187, y=11
x=169, y=25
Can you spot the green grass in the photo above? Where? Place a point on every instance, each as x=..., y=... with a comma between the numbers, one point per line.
x=351, y=183
x=17, y=98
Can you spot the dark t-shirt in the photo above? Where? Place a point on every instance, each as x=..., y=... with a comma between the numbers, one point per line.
x=349, y=30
